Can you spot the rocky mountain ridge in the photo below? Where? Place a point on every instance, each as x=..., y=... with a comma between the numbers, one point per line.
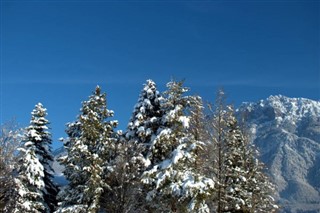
x=287, y=133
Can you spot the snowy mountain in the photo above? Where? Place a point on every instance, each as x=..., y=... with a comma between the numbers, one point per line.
x=58, y=169
x=287, y=133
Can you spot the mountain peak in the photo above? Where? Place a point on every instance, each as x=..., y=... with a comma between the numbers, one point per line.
x=287, y=133
x=280, y=108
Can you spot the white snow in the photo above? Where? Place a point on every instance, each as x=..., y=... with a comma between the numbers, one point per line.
x=29, y=143
x=33, y=133
x=153, y=119
x=142, y=109
x=185, y=121
x=177, y=154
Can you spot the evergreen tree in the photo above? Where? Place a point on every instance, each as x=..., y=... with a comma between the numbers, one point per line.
x=37, y=159
x=146, y=116
x=71, y=196
x=174, y=183
x=30, y=182
x=246, y=188
x=259, y=185
x=236, y=197
x=242, y=185
x=128, y=193
x=91, y=152
x=44, y=151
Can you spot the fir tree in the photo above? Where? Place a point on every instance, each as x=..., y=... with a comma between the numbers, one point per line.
x=242, y=185
x=146, y=116
x=90, y=148
x=259, y=185
x=44, y=151
x=176, y=185
x=37, y=159
x=125, y=194
x=71, y=196
x=245, y=187
x=236, y=197
x=128, y=193
x=30, y=182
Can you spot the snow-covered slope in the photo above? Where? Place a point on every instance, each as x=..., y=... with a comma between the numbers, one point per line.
x=58, y=169
x=287, y=133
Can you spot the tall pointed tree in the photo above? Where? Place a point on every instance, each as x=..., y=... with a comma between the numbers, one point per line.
x=36, y=172
x=30, y=182
x=236, y=197
x=174, y=183
x=90, y=148
x=125, y=194
x=128, y=194
x=241, y=184
x=216, y=130
x=146, y=116
x=258, y=184
x=244, y=186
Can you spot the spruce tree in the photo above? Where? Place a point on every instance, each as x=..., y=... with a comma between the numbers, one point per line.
x=259, y=185
x=146, y=116
x=30, y=182
x=244, y=185
x=174, y=183
x=36, y=173
x=70, y=197
x=127, y=193
x=90, y=147
x=236, y=197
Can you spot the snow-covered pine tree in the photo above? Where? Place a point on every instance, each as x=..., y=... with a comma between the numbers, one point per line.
x=39, y=126
x=30, y=182
x=70, y=197
x=90, y=149
x=259, y=185
x=146, y=116
x=175, y=184
x=237, y=194
x=128, y=194
x=38, y=159
x=247, y=187
x=241, y=184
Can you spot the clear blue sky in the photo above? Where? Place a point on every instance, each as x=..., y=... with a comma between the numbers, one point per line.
x=56, y=52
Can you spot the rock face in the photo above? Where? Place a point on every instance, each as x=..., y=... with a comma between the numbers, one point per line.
x=287, y=133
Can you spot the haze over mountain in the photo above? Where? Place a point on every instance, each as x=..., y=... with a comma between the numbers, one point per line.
x=287, y=133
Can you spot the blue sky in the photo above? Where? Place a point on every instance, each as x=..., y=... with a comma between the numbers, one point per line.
x=56, y=52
